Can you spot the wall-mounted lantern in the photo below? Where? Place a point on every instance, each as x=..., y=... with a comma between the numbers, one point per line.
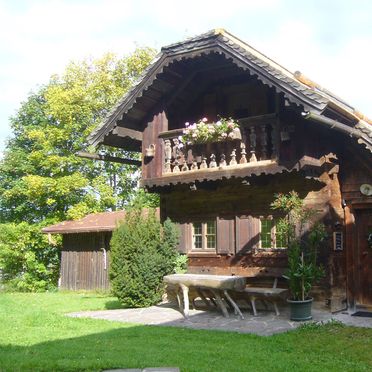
x=369, y=240
x=150, y=151
x=338, y=240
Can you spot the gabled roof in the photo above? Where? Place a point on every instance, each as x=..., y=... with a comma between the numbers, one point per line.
x=296, y=88
x=95, y=222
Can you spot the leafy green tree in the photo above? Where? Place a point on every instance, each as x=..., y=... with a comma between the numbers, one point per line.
x=28, y=261
x=41, y=179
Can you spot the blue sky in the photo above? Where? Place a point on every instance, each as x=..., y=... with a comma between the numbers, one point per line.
x=329, y=41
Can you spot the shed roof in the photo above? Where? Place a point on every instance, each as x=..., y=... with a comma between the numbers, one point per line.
x=95, y=222
x=296, y=88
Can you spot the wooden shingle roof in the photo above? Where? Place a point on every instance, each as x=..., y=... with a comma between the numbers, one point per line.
x=296, y=89
x=95, y=222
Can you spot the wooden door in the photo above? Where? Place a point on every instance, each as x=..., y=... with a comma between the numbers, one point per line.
x=364, y=257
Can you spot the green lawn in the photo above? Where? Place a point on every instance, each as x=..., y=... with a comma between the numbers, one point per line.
x=36, y=336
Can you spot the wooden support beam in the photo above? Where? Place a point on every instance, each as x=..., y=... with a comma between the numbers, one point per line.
x=126, y=132
x=257, y=120
x=171, y=133
x=109, y=158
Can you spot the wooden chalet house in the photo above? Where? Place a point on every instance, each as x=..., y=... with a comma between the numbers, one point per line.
x=294, y=135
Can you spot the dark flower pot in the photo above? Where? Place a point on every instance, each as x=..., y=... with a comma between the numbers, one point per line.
x=300, y=310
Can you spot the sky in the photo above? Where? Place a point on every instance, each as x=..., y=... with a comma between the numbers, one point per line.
x=329, y=41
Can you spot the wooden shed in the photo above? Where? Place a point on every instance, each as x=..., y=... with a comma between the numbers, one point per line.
x=293, y=135
x=85, y=256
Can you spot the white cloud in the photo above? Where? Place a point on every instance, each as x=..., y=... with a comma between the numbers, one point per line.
x=38, y=38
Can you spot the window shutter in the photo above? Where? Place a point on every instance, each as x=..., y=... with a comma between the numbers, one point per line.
x=225, y=235
x=247, y=233
x=185, y=238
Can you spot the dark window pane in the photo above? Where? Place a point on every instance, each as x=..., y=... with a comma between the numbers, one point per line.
x=197, y=228
x=281, y=238
x=266, y=226
x=211, y=228
x=198, y=242
x=211, y=241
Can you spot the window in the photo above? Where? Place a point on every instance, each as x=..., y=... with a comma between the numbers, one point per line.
x=204, y=236
x=271, y=235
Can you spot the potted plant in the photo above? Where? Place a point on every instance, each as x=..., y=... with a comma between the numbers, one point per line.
x=305, y=238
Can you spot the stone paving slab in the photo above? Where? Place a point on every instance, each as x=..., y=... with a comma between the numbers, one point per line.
x=265, y=324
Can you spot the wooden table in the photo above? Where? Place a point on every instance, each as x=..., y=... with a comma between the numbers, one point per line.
x=217, y=284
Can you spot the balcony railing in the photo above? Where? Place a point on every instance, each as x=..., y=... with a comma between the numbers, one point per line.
x=258, y=143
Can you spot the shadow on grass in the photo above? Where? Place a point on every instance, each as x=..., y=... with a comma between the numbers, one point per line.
x=191, y=350
x=114, y=304
x=128, y=347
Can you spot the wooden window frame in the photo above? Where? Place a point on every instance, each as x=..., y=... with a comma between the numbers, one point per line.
x=204, y=235
x=273, y=235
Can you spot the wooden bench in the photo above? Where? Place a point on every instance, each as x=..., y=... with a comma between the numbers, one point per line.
x=265, y=294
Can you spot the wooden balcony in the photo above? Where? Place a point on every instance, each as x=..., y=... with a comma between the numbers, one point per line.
x=257, y=143
x=254, y=152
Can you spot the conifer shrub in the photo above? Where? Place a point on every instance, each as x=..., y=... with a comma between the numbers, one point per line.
x=143, y=251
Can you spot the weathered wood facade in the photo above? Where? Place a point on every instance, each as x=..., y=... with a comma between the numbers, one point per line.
x=85, y=261
x=295, y=135
x=85, y=254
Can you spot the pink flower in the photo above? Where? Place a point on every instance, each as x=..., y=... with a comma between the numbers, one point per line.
x=224, y=135
x=204, y=120
x=218, y=123
x=187, y=124
x=230, y=125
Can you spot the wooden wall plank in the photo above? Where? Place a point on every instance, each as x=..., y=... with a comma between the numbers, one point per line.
x=82, y=261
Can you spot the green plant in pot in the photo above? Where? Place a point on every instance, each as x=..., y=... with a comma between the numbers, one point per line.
x=305, y=238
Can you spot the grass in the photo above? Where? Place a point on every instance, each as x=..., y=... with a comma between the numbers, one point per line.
x=36, y=336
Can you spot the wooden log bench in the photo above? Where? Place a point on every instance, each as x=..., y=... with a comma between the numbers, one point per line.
x=265, y=294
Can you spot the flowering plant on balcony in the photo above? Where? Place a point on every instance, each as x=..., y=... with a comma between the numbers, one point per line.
x=204, y=131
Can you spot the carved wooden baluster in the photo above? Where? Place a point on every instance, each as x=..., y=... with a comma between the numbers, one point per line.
x=252, y=142
x=176, y=168
x=203, y=164
x=190, y=157
x=223, y=161
x=243, y=158
x=274, y=141
x=175, y=149
x=182, y=158
x=263, y=142
x=194, y=165
x=167, y=156
x=213, y=163
x=233, y=157
x=184, y=168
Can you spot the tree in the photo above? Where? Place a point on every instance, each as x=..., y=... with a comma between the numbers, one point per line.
x=142, y=253
x=28, y=261
x=41, y=179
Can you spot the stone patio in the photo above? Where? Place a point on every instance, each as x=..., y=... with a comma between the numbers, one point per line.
x=265, y=324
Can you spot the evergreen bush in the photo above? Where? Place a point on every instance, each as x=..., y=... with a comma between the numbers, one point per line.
x=142, y=253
